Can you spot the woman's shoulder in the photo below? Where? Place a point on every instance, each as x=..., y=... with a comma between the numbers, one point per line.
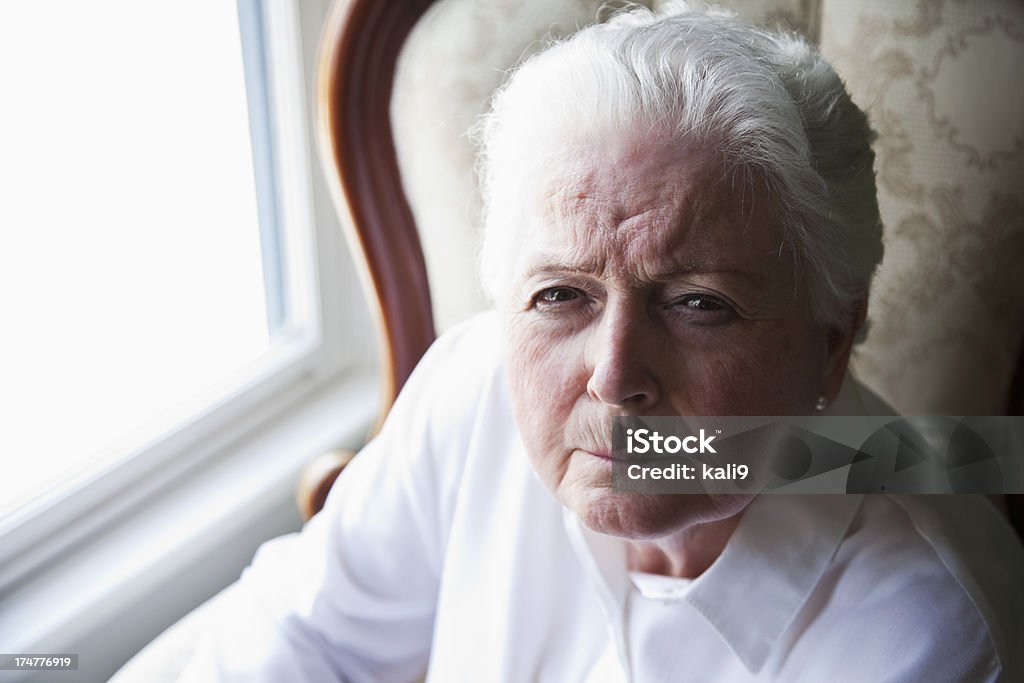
x=456, y=372
x=455, y=403
x=464, y=356
x=935, y=577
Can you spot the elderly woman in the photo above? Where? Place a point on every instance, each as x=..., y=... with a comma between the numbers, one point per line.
x=680, y=220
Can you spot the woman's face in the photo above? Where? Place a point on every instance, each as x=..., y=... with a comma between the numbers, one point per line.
x=652, y=283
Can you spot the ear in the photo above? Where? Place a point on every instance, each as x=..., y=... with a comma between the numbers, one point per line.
x=840, y=344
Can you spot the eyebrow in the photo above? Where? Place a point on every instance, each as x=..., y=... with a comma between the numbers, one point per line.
x=592, y=268
x=562, y=267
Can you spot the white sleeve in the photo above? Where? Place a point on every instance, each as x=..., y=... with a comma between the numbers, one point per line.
x=352, y=597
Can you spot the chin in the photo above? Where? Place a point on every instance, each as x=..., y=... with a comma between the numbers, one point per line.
x=646, y=517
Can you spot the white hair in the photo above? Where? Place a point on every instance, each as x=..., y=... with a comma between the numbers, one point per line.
x=767, y=102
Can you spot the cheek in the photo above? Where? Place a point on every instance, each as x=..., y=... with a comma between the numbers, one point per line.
x=762, y=370
x=546, y=378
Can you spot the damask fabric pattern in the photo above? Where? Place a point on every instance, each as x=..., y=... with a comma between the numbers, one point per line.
x=941, y=83
x=801, y=16
x=939, y=80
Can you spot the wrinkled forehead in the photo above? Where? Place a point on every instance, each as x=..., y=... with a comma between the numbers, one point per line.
x=621, y=178
x=652, y=199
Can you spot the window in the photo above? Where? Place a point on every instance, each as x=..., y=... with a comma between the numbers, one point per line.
x=158, y=254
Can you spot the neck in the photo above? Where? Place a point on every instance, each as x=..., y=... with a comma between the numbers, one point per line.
x=686, y=553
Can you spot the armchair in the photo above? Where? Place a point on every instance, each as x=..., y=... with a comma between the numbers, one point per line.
x=401, y=84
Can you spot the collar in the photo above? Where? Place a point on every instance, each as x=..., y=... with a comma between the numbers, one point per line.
x=768, y=569
x=604, y=561
x=751, y=593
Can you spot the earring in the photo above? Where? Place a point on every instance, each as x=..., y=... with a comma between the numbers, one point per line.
x=821, y=404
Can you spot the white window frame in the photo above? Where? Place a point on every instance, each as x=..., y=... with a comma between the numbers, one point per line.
x=314, y=390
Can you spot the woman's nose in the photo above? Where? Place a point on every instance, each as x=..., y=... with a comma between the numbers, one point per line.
x=621, y=363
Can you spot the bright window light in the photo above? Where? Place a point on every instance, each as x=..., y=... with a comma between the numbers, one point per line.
x=130, y=251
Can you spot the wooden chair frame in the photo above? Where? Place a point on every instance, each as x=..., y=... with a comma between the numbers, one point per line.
x=359, y=50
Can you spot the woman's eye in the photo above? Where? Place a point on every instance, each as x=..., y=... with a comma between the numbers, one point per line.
x=709, y=308
x=701, y=302
x=556, y=295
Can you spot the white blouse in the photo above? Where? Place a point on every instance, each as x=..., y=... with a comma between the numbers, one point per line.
x=439, y=550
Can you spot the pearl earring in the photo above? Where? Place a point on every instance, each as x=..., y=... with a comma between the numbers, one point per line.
x=821, y=404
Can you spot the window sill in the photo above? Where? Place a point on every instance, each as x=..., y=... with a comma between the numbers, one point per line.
x=109, y=598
